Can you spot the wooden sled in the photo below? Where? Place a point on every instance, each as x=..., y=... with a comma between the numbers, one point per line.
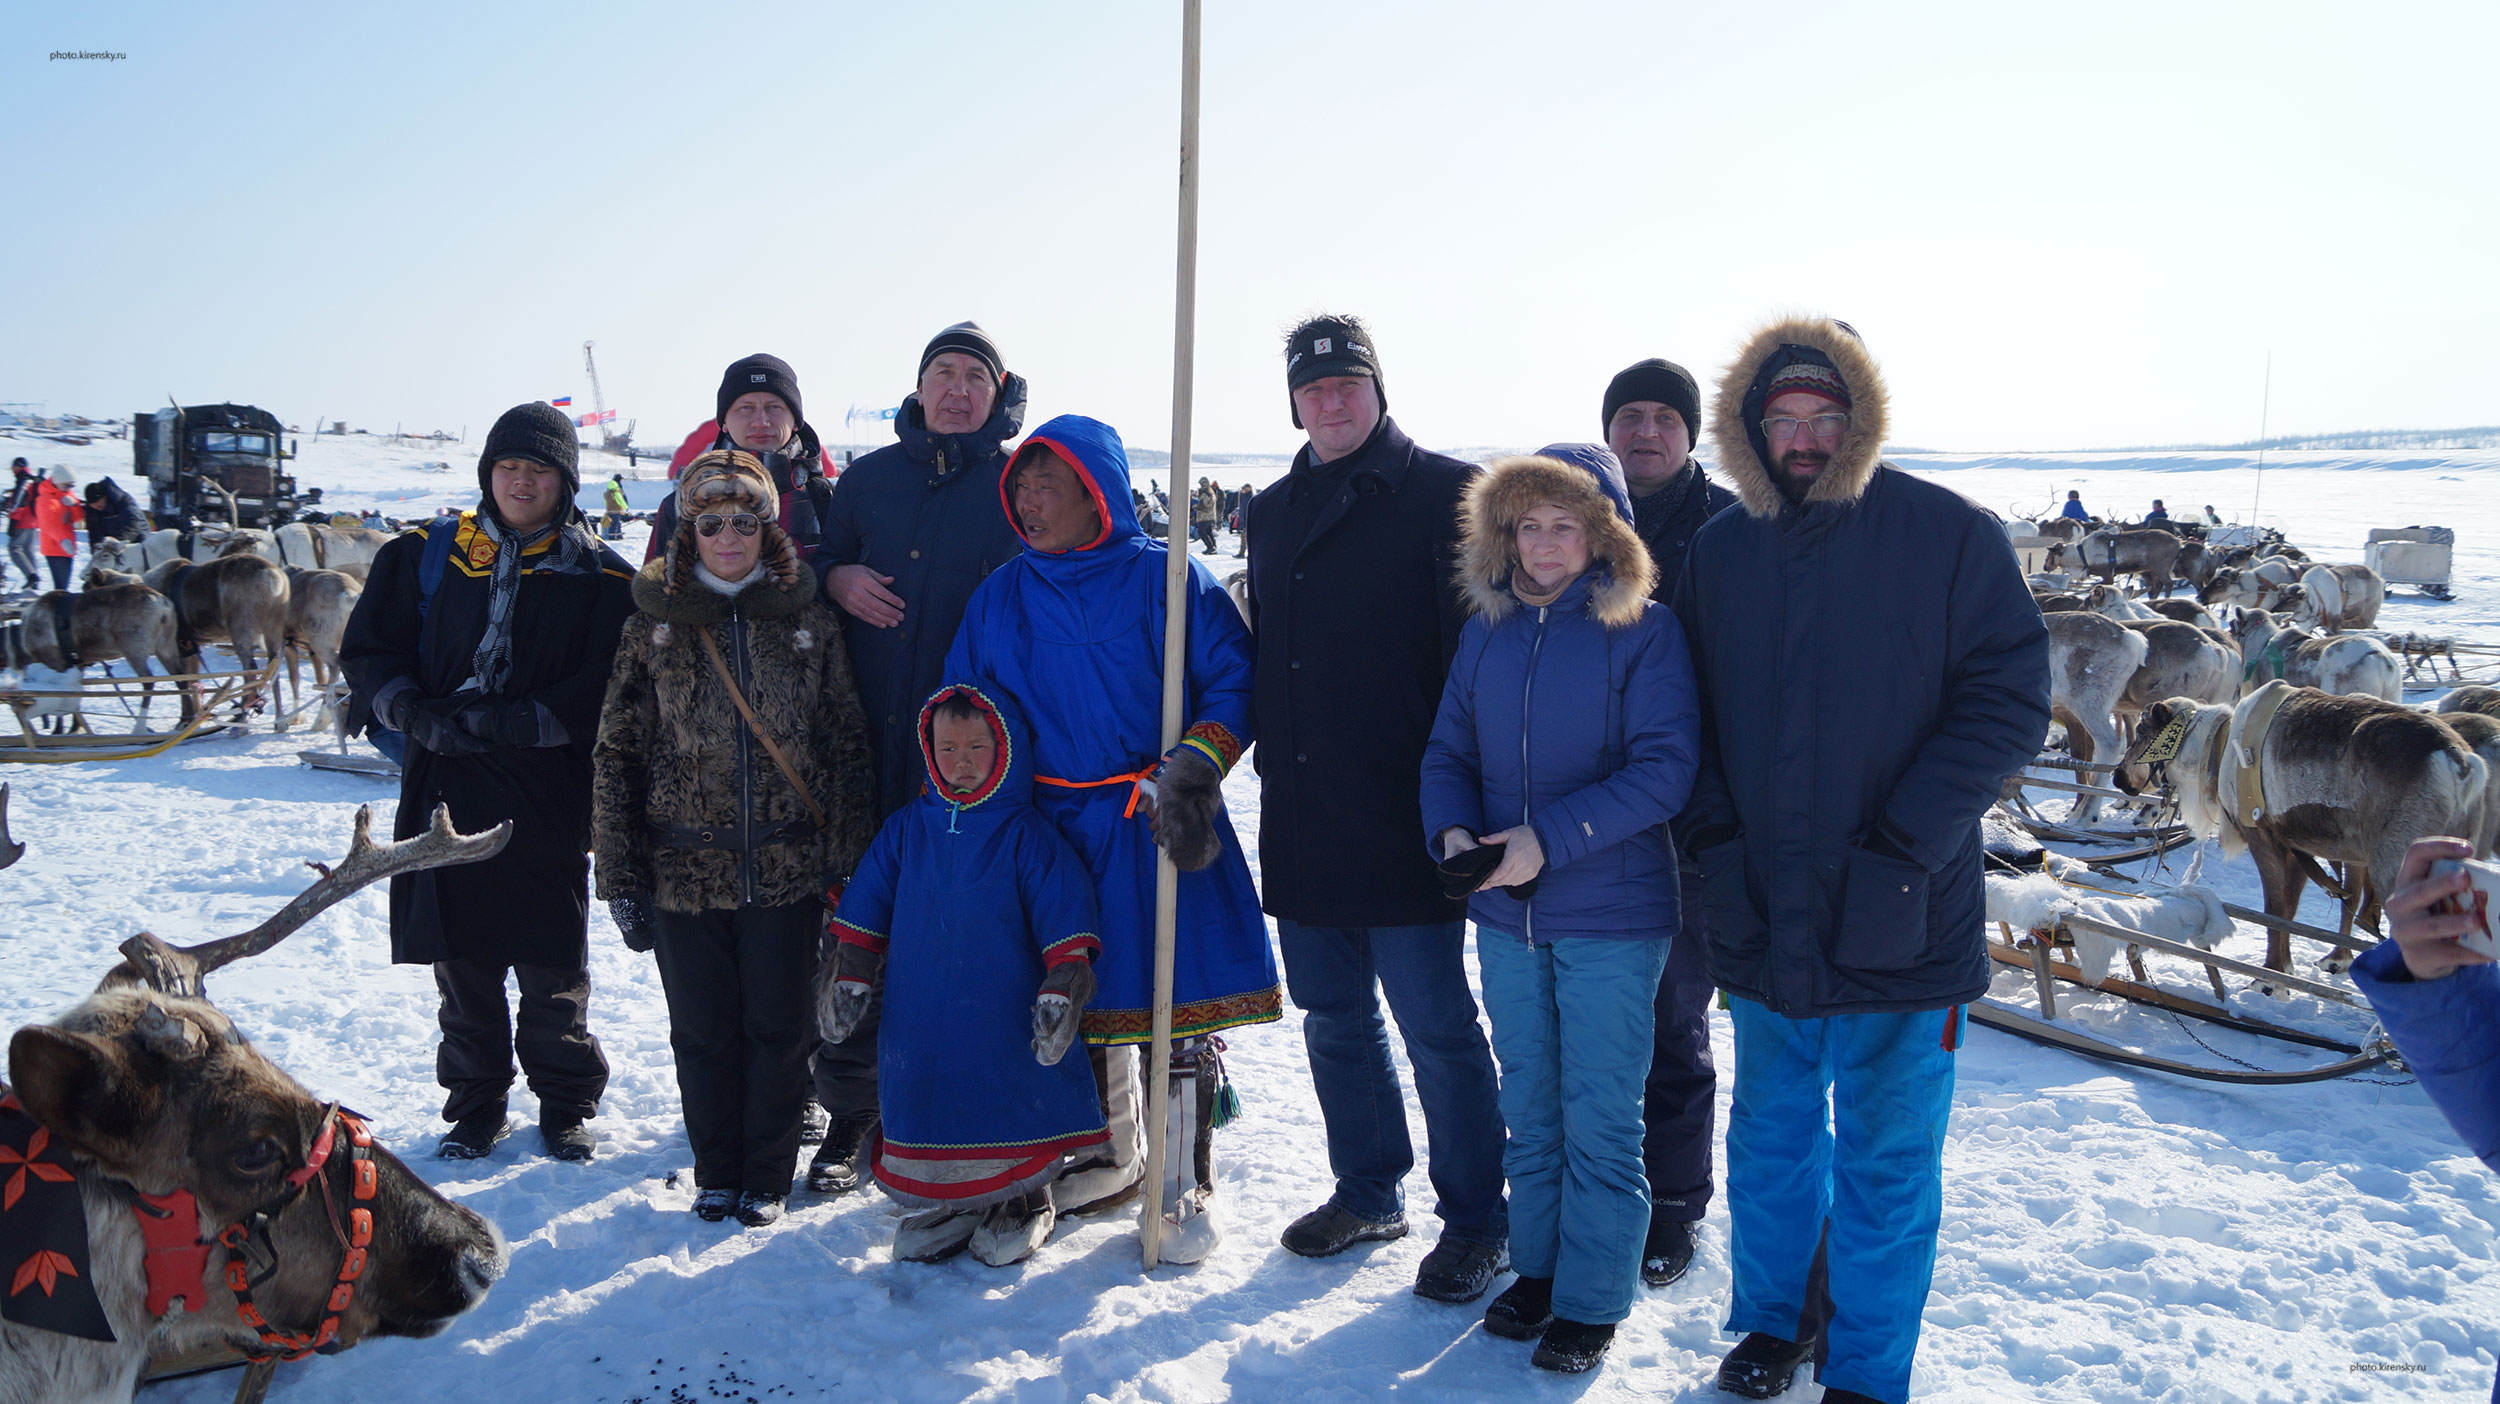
x=29, y=746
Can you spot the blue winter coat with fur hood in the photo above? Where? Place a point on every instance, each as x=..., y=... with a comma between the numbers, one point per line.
x=1577, y=719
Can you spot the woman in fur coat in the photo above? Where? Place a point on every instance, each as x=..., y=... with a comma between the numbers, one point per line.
x=707, y=853
x=1566, y=740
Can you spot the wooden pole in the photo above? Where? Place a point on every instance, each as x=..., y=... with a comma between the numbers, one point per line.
x=1158, y=1055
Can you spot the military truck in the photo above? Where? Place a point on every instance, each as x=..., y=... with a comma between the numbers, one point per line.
x=188, y=453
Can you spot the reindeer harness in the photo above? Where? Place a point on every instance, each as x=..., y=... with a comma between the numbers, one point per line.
x=2245, y=752
x=177, y=1255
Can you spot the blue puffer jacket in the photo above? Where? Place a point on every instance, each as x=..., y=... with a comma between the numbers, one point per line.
x=1577, y=718
x=1872, y=668
x=2449, y=1032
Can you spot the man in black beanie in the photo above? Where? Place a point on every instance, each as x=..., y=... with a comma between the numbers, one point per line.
x=759, y=410
x=1652, y=409
x=487, y=638
x=1351, y=559
x=909, y=531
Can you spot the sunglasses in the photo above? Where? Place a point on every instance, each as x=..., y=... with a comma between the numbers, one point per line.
x=744, y=523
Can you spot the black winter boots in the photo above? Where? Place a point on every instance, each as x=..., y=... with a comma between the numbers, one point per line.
x=835, y=1168
x=1762, y=1365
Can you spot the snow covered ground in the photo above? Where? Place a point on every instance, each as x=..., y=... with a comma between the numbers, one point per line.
x=2107, y=1236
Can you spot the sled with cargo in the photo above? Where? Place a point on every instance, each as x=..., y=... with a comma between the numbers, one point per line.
x=2418, y=556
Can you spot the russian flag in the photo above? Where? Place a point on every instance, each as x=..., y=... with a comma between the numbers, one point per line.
x=563, y=402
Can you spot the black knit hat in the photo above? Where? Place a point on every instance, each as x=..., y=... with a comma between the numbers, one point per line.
x=1663, y=381
x=537, y=431
x=968, y=338
x=748, y=374
x=1330, y=345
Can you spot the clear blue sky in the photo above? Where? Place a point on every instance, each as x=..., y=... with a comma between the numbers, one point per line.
x=2057, y=226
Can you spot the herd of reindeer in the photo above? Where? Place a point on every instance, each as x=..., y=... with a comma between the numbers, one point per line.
x=2264, y=706
x=282, y=594
x=149, y=1097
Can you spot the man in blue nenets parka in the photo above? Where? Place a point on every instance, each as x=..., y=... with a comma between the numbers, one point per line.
x=1871, y=669
x=1072, y=633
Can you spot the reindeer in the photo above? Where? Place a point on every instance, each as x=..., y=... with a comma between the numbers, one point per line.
x=2111, y=602
x=2485, y=700
x=2481, y=733
x=115, y=617
x=2347, y=665
x=2058, y=529
x=2150, y=554
x=180, y=1142
x=135, y=557
x=2348, y=779
x=2340, y=597
x=2261, y=584
x=240, y=601
x=304, y=545
x=318, y=603
x=2186, y=612
x=2180, y=660
x=2091, y=661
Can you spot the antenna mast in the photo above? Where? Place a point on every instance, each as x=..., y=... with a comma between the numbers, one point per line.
x=2265, y=407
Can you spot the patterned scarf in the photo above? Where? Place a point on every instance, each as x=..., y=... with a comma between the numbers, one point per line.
x=46, y=1280
x=573, y=553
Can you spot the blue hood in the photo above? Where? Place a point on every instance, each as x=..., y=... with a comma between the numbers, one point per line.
x=1010, y=786
x=1600, y=463
x=1101, y=462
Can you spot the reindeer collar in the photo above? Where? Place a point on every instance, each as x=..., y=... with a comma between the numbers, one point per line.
x=2246, y=750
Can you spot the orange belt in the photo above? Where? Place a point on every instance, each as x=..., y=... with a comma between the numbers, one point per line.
x=1134, y=780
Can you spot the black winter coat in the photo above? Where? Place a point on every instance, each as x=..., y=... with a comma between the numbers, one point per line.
x=1356, y=616
x=1872, y=667
x=527, y=905
x=1862, y=664
x=926, y=511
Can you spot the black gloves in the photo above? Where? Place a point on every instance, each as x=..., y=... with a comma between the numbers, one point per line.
x=843, y=987
x=512, y=723
x=1065, y=991
x=434, y=724
x=632, y=914
x=1189, y=794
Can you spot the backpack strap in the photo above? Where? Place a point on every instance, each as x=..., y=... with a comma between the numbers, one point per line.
x=430, y=565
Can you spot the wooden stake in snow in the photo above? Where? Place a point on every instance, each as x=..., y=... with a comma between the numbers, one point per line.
x=1158, y=1058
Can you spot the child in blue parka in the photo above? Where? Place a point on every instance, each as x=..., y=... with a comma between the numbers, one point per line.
x=983, y=921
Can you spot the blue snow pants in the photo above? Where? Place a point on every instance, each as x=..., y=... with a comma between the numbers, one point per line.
x=1572, y=1031
x=1835, y=1138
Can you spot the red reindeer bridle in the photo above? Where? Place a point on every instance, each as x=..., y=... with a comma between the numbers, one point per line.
x=177, y=1257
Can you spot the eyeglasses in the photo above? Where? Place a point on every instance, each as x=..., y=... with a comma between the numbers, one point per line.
x=1823, y=426
x=744, y=523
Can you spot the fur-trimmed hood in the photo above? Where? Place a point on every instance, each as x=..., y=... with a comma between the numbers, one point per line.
x=1582, y=479
x=769, y=598
x=1736, y=411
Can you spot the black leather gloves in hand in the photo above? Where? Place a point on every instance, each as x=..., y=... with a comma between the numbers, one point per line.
x=434, y=724
x=1189, y=794
x=512, y=723
x=843, y=986
x=632, y=914
x=1065, y=992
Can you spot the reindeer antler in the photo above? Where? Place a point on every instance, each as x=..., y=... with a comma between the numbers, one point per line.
x=179, y=970
x=10, y=850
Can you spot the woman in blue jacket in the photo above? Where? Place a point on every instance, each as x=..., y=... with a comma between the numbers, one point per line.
x=1567, y=738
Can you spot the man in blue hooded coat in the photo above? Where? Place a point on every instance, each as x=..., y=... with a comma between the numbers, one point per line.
x=1071, y=634
x=1871, y=667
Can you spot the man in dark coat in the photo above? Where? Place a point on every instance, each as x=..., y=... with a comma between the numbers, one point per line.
x=491, y=651
x=758, y=409
x=910, y=531
x=1872, y=668
x=1352, y=556
x=111, y=514
x=1652, y=410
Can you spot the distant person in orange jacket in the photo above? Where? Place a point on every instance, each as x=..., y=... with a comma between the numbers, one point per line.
x=57, y=515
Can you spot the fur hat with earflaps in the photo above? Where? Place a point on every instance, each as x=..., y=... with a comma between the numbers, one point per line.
x=729, y=481
x=1582, y=479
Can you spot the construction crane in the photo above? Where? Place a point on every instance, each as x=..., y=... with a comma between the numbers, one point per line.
x=609, y=439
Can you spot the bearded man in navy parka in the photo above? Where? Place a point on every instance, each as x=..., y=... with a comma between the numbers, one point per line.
x=1871, y=668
